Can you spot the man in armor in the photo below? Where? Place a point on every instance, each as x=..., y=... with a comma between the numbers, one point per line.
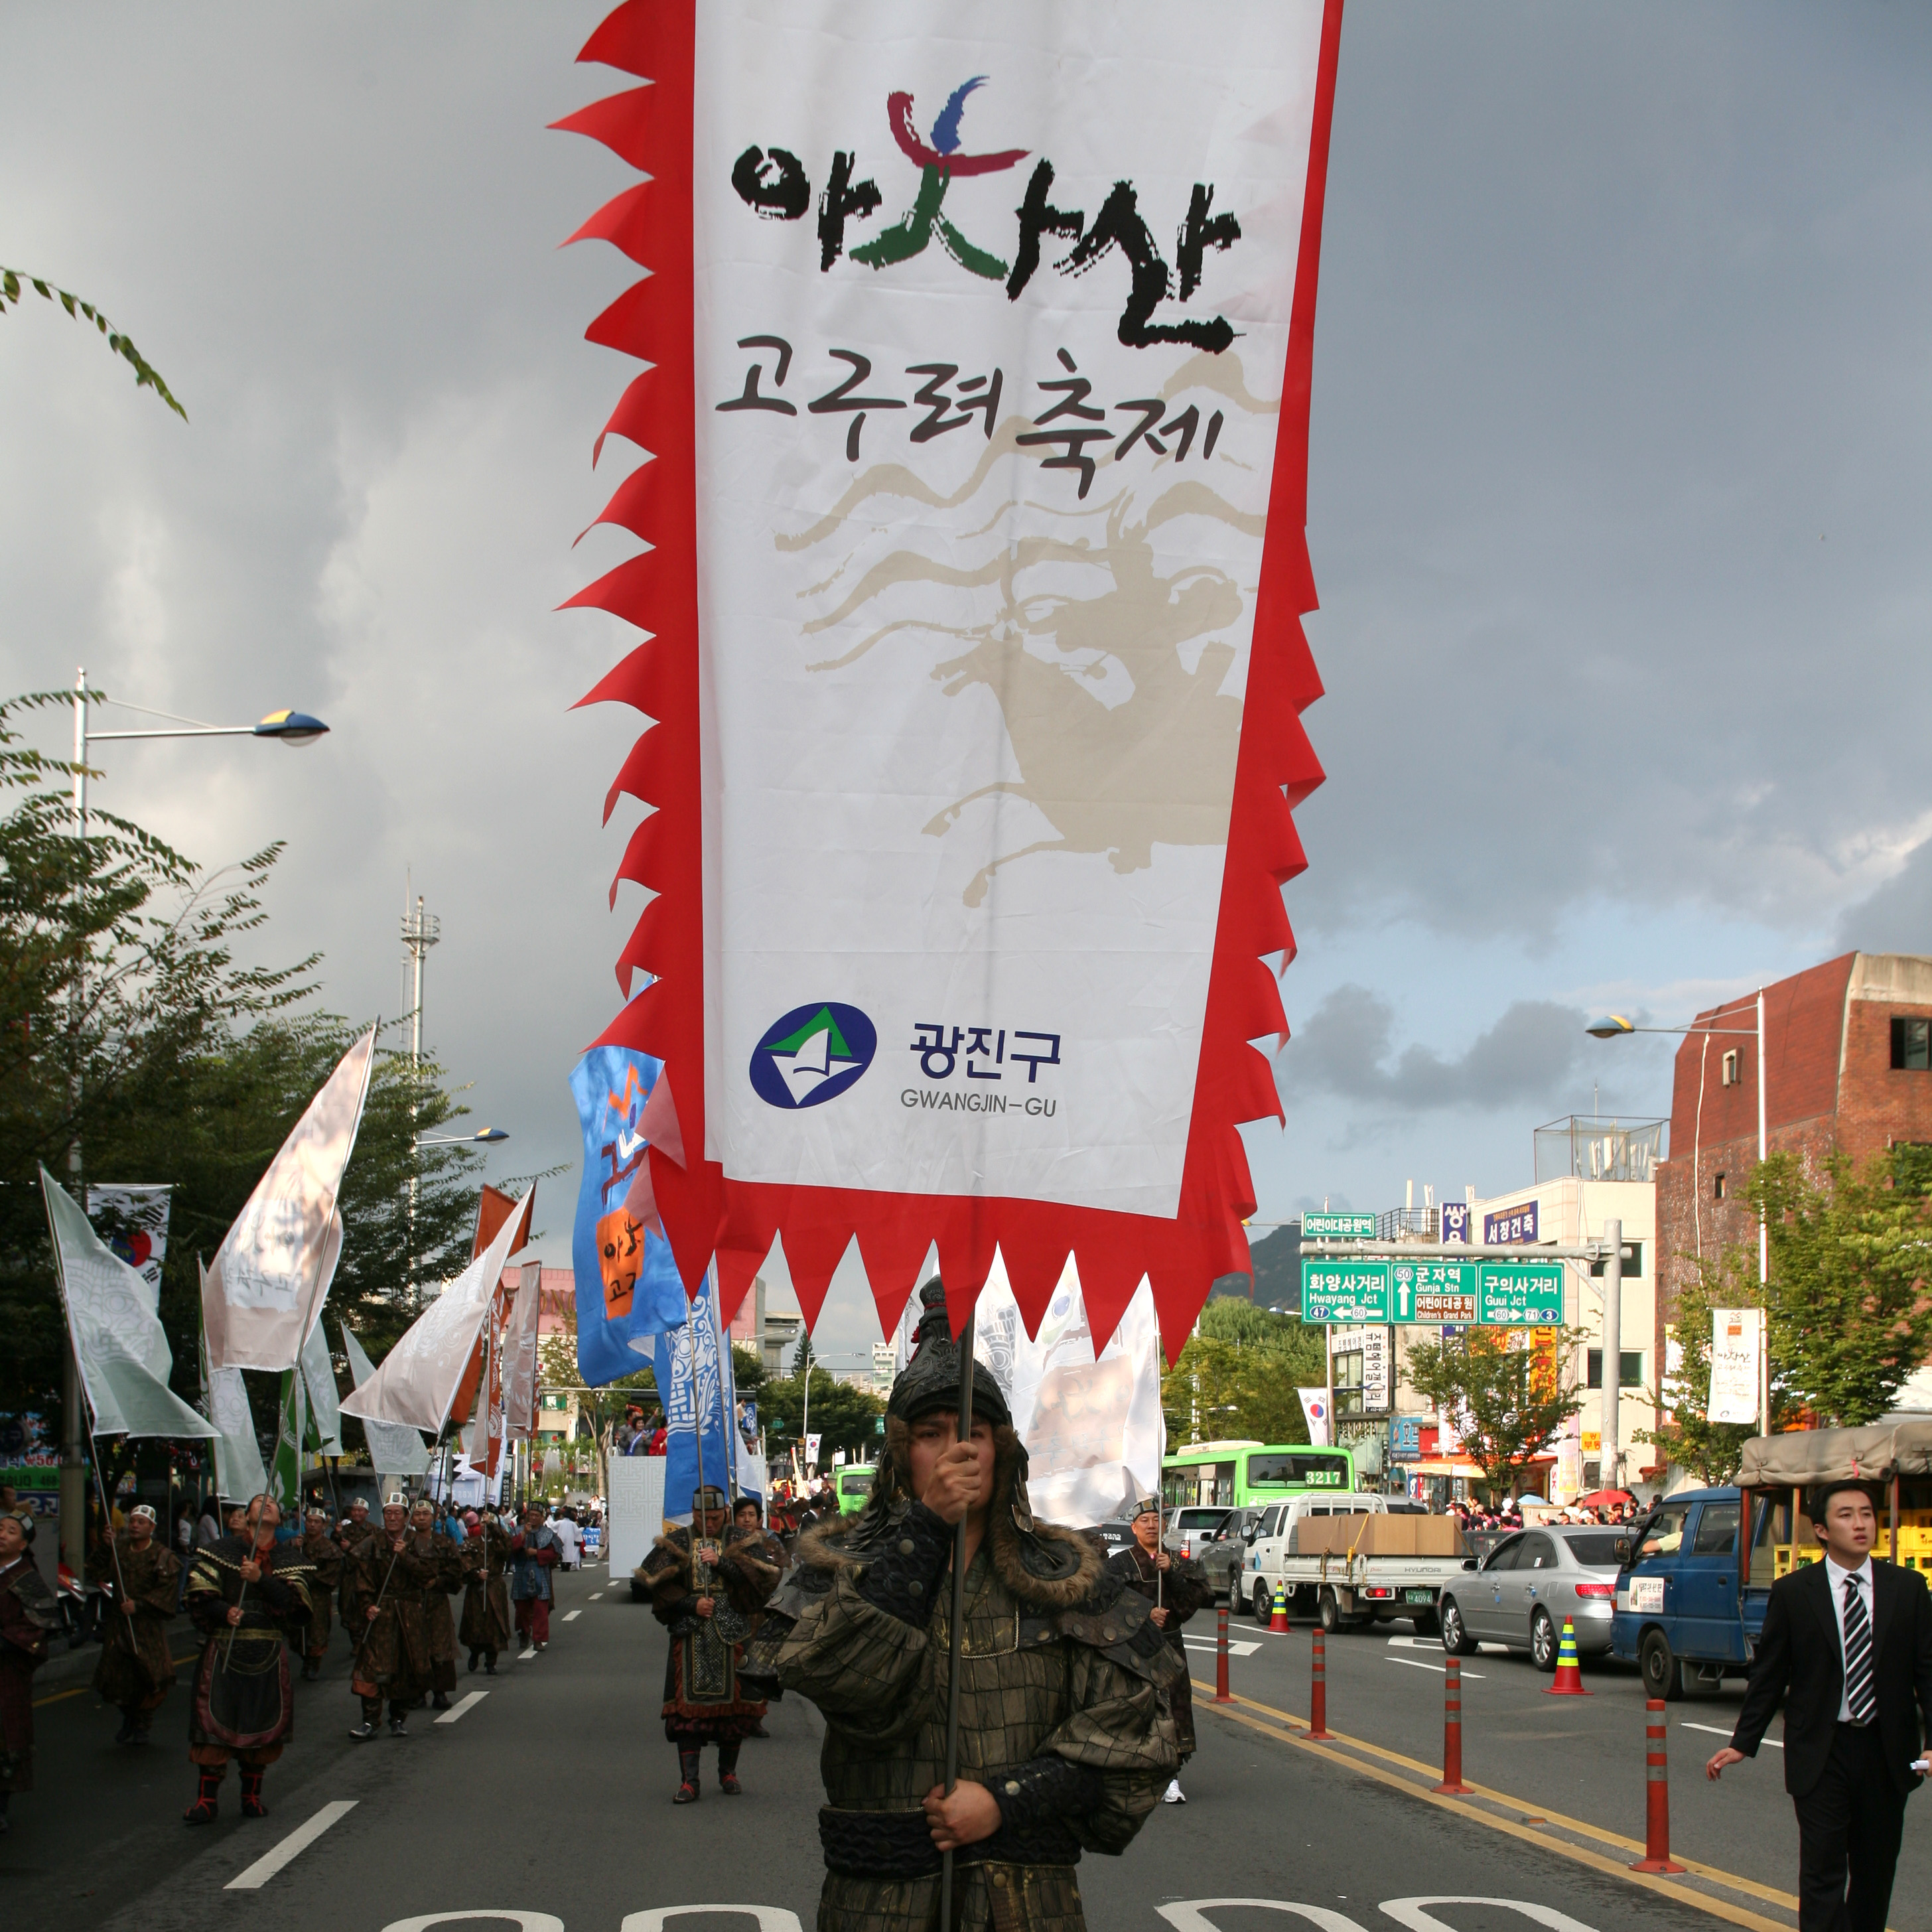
x=444, y=1555
x=1176, y=1588
x=324, y=1554
x=28, y=1615
x=535, y=1552
x=486, y=1590
x=1065, y=1736
x=393, y=1580
x=135, y=1671
x=249, y=1598
x=705, y=1586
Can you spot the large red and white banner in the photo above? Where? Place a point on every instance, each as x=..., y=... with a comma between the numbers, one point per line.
x=976, y=423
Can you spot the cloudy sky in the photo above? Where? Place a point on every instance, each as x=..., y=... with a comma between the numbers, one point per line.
x=1621, y=472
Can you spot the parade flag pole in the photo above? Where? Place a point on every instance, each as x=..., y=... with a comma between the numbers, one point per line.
x=956, y=1633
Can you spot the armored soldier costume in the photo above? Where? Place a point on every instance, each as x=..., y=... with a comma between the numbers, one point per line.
x=1179, y=1586
x=136, y=1669
x=29, y=1616
x=486, y=1629
x=244, y=1705
x=445, y=1556
x=706, y=1594
x=323, y=1554
x=1063, y=1720
x=395, y=1573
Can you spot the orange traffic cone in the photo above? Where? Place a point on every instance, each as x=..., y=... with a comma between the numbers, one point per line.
x=1278, y=1621
x=1569, y=1675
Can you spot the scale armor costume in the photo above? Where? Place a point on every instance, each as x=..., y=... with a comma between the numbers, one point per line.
x=1064, y=1712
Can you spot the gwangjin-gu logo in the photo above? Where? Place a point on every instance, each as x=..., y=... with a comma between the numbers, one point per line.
x=812, y=1055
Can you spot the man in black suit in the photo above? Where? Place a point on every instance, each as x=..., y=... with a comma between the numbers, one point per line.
x=1847, y=1645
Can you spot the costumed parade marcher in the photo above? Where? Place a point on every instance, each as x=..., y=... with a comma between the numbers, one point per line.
x=1177, y=1587
x=748, y=1515
x=350, y=1535
x=136, y=1671
x=486, y=1629
x=444, y=1554
x=1065, y=1738
x=323, y=1554
x=393, y=1580
x=29, y=1616
x=250, y=1599
x=535, y=1552
x=707, y=1584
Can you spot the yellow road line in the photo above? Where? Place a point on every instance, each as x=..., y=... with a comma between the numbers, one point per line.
x=81, y=1690
x=1769, y=1894
x=1718, y=1907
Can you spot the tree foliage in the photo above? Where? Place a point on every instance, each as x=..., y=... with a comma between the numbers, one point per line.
x=1710, y=1450
x=131, y=1031
x=146, y=375
x=1504, y=1388
x=1851, y=1318
x=1238, y=1377
x=845, y=1417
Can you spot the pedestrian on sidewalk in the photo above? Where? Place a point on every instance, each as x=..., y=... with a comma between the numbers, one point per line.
x=136, y=1669
x=1177, y=1588
x=29, y=1614
x=486, y=1628
x=323, y=1554
x=1847, y=1649
x=706, y=1583
x=534, y=1551
x=249, y=1598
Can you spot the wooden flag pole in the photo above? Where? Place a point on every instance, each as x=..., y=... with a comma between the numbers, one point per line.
x=956, y=1634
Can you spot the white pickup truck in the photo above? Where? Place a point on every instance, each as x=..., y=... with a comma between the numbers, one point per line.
x=1370, y=1566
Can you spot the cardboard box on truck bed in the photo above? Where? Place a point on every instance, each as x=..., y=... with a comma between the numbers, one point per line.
x=1403, y=1535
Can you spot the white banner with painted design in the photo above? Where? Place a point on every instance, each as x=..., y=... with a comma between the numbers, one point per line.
x=133, y=1220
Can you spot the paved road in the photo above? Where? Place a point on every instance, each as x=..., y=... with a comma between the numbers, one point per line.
x=546, y=1805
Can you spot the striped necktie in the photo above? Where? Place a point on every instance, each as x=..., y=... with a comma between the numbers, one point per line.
x=1859, y=1698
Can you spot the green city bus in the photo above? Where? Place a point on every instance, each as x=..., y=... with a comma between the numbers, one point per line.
x=1227, y=1475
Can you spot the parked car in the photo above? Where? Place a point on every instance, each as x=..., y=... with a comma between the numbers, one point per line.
x=1113, y=1536
x=1225, y=1554
x=1679, y=1610
x=1188, y=1530
x=1520, y=1594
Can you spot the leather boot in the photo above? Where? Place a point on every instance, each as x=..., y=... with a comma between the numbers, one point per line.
x=208, y=1797
x=687, y=1770
x=252, y=1806
x=727, y=1768
x=125, y=1735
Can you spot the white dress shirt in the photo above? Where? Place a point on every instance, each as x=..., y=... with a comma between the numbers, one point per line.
x=1862, y=1576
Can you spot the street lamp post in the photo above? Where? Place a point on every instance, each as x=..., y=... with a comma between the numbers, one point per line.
x=1613, y=1026
x=293, y=728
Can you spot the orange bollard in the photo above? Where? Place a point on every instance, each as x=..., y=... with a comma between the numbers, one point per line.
x=1221, y=1696
x=1278, y=1621
x=1452, y=1731
x=1656, y=1793
x=1317, y=1690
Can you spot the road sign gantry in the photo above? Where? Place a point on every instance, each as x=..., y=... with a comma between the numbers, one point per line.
x=1344, y=1283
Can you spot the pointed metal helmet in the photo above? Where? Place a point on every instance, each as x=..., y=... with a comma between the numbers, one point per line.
x=931, y=1379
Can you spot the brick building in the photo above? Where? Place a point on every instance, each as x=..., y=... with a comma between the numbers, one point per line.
x=1848, y=1064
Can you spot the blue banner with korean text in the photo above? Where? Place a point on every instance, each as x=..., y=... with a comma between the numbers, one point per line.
x=628, y=1288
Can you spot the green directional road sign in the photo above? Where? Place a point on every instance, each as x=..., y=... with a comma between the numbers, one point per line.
x=1338, y=1227
x=1345, y=1292
x=1514, y=1293
x=1433, y=1292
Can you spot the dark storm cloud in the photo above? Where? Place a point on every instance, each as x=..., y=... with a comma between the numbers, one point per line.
x=1529, y=1057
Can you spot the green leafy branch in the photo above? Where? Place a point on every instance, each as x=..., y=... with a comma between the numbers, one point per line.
x=146, y=375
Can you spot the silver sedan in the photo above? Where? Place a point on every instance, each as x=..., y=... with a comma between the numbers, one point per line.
x=1528, y=1586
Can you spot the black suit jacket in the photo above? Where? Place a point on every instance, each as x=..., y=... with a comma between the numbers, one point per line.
x=1799, y=1661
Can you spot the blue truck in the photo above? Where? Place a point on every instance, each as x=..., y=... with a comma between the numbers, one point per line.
x=1682, y=1615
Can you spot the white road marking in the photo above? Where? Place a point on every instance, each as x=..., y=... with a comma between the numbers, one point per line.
x=524, y=1657
x=525, y=1922
x=595, y=1595
x=1683, y=1724
x=264, y=1867
x=1189, y=1914
x=1409, y=1912
x=571, y=1616
x=1237, y=1646
x=767, y=1918
x=1440, y=1669
x=456, y=1710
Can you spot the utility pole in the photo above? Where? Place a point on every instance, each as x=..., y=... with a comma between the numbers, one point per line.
x=73, y=1456
x=1613, y=1356
x=421, y=931
x=1763, y=1250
